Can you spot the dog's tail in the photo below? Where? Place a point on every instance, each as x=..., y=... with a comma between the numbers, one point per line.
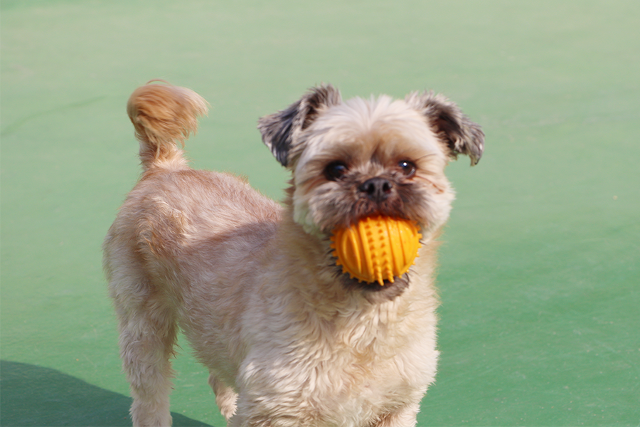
x=164, y=115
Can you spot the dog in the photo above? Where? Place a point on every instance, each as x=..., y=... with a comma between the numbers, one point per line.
x=288, y=337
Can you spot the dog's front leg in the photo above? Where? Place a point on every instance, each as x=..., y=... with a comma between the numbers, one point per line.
x=402, y=417
x=271, y=410
x=252, y=417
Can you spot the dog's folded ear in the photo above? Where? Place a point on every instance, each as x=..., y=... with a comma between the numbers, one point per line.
x=280, y=130
x=461, y=135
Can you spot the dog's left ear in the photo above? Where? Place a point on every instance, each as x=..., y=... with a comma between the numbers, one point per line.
x=461, y=135
x=280, y=130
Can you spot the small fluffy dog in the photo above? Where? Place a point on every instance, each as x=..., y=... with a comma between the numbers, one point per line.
x=288, y=338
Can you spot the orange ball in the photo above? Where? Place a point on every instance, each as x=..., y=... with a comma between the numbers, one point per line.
x=376, y=248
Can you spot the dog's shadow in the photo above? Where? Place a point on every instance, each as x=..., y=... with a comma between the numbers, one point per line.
x=36, y=396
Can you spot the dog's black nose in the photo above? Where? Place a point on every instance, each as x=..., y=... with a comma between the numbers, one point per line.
x=377, y=189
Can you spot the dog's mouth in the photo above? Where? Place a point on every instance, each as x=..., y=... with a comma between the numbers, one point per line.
x=375, y=292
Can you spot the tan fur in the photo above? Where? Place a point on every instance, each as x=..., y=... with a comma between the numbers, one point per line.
x=289, y=340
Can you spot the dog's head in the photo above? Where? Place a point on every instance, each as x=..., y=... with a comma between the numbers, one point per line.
x=356, y=158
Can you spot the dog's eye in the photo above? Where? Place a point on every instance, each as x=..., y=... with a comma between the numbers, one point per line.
x=408, y=168
x=335, y=171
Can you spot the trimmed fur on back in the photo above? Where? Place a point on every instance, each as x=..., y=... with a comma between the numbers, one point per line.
x=163, y=115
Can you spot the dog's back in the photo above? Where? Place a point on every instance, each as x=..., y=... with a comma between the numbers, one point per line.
x=174, y=206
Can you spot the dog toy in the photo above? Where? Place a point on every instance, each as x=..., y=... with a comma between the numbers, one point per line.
x=376, y=248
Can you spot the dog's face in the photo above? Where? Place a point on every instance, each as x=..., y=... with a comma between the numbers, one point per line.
x=362, y=157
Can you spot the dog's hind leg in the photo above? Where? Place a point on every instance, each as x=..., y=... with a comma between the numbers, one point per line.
x=148, y=331
x=225, y=397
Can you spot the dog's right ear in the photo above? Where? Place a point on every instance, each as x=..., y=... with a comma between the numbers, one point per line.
x=280, y=130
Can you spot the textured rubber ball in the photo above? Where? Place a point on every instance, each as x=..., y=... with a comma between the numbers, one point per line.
x=376, y=248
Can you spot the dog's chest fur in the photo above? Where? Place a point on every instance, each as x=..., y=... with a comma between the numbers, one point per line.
x=344, y=364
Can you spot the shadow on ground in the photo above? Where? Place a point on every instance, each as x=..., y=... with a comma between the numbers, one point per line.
x=36, y=396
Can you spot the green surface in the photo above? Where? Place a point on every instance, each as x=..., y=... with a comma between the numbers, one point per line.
x=540, y=269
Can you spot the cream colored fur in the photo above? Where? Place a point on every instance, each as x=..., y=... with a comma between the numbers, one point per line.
x=287, y=338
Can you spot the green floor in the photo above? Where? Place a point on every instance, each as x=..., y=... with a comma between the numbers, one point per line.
x=540, y=269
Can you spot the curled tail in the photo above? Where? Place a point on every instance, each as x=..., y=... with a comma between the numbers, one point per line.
x=164, y=115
